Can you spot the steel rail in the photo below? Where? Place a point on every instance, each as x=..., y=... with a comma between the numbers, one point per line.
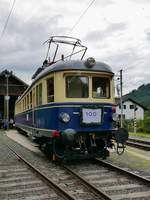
x=89, y=185
x=139, y=144
x=123, y=171
x=139, y=140
x=57, y=188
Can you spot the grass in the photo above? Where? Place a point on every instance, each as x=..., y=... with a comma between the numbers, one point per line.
x=140, y=134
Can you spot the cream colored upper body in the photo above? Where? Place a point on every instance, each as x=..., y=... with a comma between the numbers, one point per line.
x=29, y=99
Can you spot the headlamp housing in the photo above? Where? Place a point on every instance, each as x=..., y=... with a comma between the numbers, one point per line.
x=64, y=117
x=115, y=117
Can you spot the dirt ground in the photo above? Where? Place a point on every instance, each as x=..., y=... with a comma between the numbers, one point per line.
x=133, y=158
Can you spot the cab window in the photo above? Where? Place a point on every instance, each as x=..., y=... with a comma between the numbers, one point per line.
x=50, y=90
x=77, y=87
x=100, y=87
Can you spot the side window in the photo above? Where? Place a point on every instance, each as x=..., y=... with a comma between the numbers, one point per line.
x=23, y=105
x=37, y=95
x=40, y=93
x=31, y=99
x=50, y=90
x=27, y=101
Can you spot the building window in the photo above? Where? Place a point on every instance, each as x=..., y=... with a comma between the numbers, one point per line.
x=123, y=116
x=77, y=87
x=100, y=87
x=50, y=90
x=131, y=106
x=124, y=107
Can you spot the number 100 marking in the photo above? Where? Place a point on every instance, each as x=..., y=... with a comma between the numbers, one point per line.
x=90, y=114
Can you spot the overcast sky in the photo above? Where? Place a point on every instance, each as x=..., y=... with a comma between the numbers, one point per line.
x=116, y=32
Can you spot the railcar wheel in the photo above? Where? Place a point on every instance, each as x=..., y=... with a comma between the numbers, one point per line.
x=58, y=149
x=47, y=148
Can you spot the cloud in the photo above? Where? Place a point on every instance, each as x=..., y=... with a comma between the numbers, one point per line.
x=96, y=35
x=112, y=30
x=148, y=36
x=103, y=3
x=86, y=2
x=21, y=48
x=141, y=1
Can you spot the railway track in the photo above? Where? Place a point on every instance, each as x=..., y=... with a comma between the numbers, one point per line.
x=18, y=181
x=96, y=180
x=139, y=144
x=59, y=178
x=76, y=188
x=84, y=180
x=112, y=181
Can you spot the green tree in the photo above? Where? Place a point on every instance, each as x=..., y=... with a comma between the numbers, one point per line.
x=146, y=121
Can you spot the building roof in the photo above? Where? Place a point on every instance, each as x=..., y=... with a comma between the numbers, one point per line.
x=124, y=99
x=10, y=73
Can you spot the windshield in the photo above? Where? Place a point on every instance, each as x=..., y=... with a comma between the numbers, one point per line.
x=77, y=87
x=100, y=87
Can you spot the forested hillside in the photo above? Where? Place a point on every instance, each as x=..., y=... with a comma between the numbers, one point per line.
x=141, y=95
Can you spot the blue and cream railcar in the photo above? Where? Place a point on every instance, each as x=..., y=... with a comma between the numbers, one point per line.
x=69, y=109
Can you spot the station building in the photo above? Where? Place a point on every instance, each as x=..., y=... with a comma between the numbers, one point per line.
x=11, y=87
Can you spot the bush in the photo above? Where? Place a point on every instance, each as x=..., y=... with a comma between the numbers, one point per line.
x=129, y=124
x=146, y=121
x=141, y=125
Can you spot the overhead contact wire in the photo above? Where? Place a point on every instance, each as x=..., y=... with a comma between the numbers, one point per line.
x=7, y=20
x=84, y=12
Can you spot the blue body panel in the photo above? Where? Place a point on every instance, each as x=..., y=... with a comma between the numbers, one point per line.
x=47, y=117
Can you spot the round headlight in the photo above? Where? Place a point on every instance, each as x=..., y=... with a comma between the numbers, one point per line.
x=65, y=117
x=115, y=117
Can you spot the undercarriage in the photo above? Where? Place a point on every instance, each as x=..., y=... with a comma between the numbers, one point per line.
x=79, y=147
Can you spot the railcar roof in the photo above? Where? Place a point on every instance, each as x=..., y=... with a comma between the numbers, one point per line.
x=74, y=65
x=68, y=66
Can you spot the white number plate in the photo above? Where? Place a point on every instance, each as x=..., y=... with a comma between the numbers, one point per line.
x=91, y=115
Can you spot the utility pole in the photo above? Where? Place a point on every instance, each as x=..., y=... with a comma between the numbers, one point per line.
x=7, y=98
x=135, y=109
x=121, y=103
x=7, y=74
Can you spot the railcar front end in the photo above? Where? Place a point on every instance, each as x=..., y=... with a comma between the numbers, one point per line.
x=79, y=130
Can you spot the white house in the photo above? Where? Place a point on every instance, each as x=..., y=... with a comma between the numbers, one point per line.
x=131, y=109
